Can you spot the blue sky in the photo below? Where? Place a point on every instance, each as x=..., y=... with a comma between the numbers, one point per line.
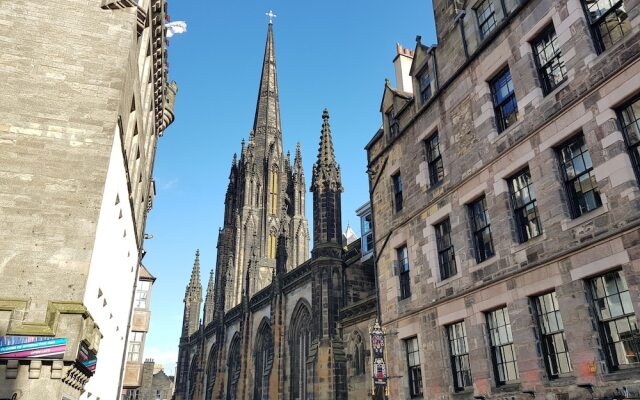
x=333, y=54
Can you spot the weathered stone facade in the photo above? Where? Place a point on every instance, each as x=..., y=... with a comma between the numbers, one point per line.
x=278, y=324
x=85, y=96
x=480, y=154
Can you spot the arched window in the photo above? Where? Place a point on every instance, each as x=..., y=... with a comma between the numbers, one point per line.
x=357, y=354
x=273, y=191
x=299, y=343
x=233, y=368
x=263, y=357
x=193, y=375
x=212, y=370
x=272, y=245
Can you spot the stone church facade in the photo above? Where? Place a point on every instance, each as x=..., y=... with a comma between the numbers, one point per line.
x=278, y=324
x=506, y=203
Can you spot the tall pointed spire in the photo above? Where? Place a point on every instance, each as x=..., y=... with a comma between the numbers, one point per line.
x=326, y=170
x=209, y=301
x=195, y=272
x=192, y=300
x=326, y=186
x=266, y=125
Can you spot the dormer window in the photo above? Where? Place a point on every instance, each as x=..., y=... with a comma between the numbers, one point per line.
x=424, y=85
x=394, y=125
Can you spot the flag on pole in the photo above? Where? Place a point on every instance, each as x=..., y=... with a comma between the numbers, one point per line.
x=173, y=28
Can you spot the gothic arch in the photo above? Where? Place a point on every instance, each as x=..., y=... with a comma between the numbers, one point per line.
x=212, y=370
x=357, y=349
x=263, y=360
x=233, y=367
x=192, y=377
x=299, y=345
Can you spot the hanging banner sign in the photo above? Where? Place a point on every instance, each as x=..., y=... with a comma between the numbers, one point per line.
x=379, y=369
x=16, y=347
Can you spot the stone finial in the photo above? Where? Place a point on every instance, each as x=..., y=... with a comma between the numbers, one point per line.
x=326, y=170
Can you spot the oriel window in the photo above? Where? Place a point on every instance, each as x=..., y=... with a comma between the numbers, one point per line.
x=504, y=100
x=525, y=210
x=580, y=181
x=551, y=331
x=397, y=192
x=486, y=18
x=403, y=267
x=503, y=353
x=549, y=60
x=609, y=21
x=630, y=121
x=459, y=350
x=616, y=319
x=481, y=229
x=434, y=159
x=446, y=254
x=413, y=367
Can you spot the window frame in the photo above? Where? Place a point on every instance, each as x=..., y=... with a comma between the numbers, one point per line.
x=367, y=233
x=398, y=200
x=603, y=322
x=424, y=85
x=548, y=337
x=633, y=149
x=435, y=164
x=520, y=221
x=404, y=274
x=594, y=24
x=497, y=348
x=502, y=122
x=549, y=32
x=573, y=199
x=414, y=370
x=393, y=122
x=482, y=23
x=446, y=249
x=477, y=231
x=458, y=352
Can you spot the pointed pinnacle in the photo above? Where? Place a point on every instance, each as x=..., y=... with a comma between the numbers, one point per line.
x=234, y=162
x=195, y=272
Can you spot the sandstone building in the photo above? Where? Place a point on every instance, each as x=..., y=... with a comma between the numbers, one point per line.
x=278, y=324
x=85, y=97
x=506, y=205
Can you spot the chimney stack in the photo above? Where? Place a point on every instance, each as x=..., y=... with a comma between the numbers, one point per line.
x=402, y=65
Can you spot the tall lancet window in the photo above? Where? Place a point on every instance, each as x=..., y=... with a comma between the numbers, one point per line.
x=193, y=375
x=272, y=245
x=273, y=191
x=263, y=357
x=212, y=370
x=233, y=368
x=299, y=342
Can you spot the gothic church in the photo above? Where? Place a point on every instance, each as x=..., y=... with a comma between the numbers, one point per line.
x=278, y=324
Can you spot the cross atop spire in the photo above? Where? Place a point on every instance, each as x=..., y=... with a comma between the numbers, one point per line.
x=271, y=16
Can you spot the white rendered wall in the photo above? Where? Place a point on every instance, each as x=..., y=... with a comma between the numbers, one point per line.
x=113, y=272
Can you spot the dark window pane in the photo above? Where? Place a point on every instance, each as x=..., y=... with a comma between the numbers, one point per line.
x=523, y=201
x=501, y=345
x=630, y=121
x=580, y=182
x=486, y=17
x=504, y=100
x=618, y=325
x=609, y=21
x=434, y=159
x=459, y=351
x=549, y=60
x=481, y=229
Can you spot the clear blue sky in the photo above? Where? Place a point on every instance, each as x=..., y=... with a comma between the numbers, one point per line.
x=333, y=54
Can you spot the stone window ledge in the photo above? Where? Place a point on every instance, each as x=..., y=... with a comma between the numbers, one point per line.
x=572, y=223
x=623, y=374
x=518, y=247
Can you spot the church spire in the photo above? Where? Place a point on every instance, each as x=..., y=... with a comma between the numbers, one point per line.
x=326, y=171
x=192, y=300
x=266, y=125
x=209, y=301
x=326, y=186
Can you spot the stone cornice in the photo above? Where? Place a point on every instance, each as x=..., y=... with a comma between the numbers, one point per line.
x=18, y=308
